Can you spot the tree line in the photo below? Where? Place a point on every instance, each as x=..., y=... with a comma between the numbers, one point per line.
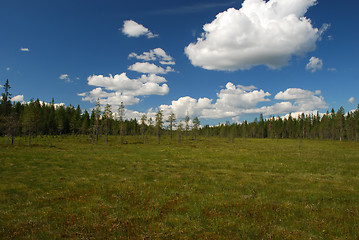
x=331, y=126
x=39, y=118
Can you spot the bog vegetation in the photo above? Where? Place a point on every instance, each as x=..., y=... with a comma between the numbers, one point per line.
x=212, y=188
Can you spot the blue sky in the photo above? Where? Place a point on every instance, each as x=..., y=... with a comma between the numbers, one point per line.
x=218, y=60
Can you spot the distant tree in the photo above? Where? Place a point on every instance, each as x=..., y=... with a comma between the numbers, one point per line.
x=51, y=122
x=75, y=120
x=97, y=115
x=85, y=122
x=121, y=115
x=143, y=127
x=30, y=119
x=233, y=132
x=172, y=121
x=60, y=115
x=195, y=127
x=5, y=103
x=11, y=124
x=159, y=124
x=340, y=122
x=356, y=123
x=261, y=127
x=7, y=119
x=179, y=132
x=150, y=126
x=107, y=118
x=186, y=120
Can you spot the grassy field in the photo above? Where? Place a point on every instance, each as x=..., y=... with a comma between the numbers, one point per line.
x=209, y=189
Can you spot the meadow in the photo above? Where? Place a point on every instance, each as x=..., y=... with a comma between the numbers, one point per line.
x=212, y=188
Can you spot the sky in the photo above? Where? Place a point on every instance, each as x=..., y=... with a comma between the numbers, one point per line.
x=215, y=60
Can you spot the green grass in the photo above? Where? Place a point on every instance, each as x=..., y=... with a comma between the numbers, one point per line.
x=209, y=189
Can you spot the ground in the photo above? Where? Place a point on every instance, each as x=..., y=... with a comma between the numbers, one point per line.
x=212, y=188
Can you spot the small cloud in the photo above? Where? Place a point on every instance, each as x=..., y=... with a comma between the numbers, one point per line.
x=18, y=98
x=351, y=100
x=318, y=92
x=314, y=64
x=65, y=77
x=324, y=28
x=145, y=67
x=167, y=62
x=330, y=37
x=157, y=54
x=7, y=69
x=134, y=29
x=24, y=49
x=332, y=69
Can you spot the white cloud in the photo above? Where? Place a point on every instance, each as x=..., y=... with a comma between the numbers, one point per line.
x=134, y=29
x=65, y=77
x=157, y=54
x=351, y=100
x=304, y=100
x=152, y=78
x=24, y=49
x=119, y=88
x=332, y=69
x=18, y=98
x=314, y=64
x=260, y=33
x=8, y=69
x=168, y=62
x=112, y=98
x=297, y=115
x=189, y=105
x=324, y=28
x=145, y=67
x=240, y=97
x=233, y=101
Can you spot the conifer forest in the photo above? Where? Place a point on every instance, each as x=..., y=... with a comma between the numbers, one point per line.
x=29, y=119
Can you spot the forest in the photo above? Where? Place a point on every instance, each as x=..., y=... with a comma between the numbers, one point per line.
x=30, y=119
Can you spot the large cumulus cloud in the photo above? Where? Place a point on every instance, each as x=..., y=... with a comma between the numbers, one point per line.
x=259, y=33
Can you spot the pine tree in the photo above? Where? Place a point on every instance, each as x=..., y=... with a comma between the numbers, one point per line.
x=143, y=127
x=186, y=124
x=195, y=127
x=97, y=115
x=179, y=132
x=171, y=119
x=107, y=115
x=150, y=126
x=121, y=115
x=159, y=124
